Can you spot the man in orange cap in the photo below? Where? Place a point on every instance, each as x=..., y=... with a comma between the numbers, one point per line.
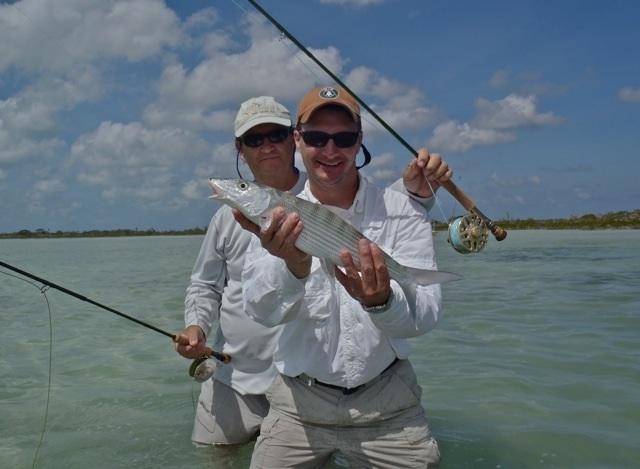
x=345, y=383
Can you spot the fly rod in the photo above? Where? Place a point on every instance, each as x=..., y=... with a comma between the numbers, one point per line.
x=450, y=186
x=179, y=339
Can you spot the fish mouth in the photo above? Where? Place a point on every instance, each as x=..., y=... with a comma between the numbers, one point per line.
x=217, y=190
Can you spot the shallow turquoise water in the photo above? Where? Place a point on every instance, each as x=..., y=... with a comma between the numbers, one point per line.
x=536, y=363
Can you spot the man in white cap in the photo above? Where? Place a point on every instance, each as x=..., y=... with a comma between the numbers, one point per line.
x=232, y=404
x=345, y=384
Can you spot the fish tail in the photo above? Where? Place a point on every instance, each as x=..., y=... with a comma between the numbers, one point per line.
x=429, y=277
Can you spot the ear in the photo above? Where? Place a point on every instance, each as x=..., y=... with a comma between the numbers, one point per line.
x=297, y=137
x=238, y=145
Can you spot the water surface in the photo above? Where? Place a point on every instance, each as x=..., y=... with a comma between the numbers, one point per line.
x=535, y=364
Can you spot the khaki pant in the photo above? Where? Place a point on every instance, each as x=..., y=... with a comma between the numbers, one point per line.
x=379, y=426
x=225, y=417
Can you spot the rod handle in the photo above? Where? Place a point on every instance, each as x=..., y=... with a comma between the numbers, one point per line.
x=466, y=202
x=208, y=352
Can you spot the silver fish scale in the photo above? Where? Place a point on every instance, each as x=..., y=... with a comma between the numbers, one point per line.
x=325, y=234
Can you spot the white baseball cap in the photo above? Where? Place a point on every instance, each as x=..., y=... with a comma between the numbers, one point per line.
x=260, y=110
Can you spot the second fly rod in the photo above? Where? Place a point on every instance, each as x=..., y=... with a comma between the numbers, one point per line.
x=223, y=357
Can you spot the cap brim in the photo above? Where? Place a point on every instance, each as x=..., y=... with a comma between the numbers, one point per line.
x=262, y=120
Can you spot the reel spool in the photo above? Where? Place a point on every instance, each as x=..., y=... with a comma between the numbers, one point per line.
x=468, y=234
x=202, y=369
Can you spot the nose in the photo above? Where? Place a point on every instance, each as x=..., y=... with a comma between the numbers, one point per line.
x=267, y=146
x=330, y=148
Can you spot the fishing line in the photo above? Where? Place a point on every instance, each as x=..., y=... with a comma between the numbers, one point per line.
x=296, y=56
x=312, y=71
x=43, y=289
x=180, y=339
x=305, y=64
x=477, y=224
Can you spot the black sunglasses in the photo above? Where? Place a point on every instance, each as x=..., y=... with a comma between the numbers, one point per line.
x=318, y=139
x=275, y=136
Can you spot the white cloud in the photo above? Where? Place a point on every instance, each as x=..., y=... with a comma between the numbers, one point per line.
x=49, y=186
x=206, y=96
x=382, y=168
x=495, y=122
x=24, y=115
x=51, y=49
x=401, y=106
x=57, y=35
x=629, y=95
x=269, y=66
x=29, y=119
x=16, y=148
x=221, y=162
x=524, y=83
x=453, y=136
x=191, y=190
x=34, y=108
x=132, y=161
x=204, y=19
x=512, y=112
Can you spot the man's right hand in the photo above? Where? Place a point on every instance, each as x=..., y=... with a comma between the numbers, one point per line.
x=191, y=342
x=279, y=239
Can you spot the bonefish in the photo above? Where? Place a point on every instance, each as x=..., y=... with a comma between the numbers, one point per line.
x=324, y=233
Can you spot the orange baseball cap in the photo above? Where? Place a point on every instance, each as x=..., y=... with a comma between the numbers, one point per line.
x=323, y=96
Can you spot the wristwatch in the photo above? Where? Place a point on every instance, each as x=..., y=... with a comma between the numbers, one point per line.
x=378, y=308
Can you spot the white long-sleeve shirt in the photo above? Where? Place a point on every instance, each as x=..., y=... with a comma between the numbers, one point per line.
x=213, y=301
x=323, y=331
x=214, y=297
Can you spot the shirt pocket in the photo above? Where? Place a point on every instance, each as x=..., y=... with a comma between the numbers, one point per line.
x=376, y=231
x=319, y=293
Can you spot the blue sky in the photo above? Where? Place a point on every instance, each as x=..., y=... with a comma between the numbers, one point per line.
x=114, y=113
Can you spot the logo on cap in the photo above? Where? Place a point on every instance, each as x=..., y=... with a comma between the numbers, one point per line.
x=329, y=92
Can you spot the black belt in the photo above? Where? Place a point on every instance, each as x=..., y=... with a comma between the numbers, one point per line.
x=348, y=391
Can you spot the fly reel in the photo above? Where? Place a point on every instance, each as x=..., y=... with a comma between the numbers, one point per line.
x=468, y=234
x=202, y=369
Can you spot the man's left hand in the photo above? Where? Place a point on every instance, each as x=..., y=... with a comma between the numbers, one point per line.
x=424, y=175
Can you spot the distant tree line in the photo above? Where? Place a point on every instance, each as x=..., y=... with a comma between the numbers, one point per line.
x=611, y=220
x=42, y=233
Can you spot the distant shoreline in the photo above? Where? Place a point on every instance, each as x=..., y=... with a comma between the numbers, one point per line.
x=611, y=221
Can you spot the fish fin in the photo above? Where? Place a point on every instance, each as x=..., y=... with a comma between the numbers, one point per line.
x=265, y=221
x=429, y=277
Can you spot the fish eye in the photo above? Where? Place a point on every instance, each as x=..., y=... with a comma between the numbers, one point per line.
x=243, y=185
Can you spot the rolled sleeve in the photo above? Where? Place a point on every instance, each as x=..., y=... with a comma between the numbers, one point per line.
x=208, y=277
x=425, y=202
x=409, y=315
x=414, y=309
